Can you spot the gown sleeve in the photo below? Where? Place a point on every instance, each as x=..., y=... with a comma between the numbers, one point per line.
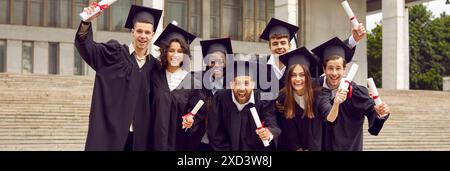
x=96, y=55
x=218, y=138
x=362, y=101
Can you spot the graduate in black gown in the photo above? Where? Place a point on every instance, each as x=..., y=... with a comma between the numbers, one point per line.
x=345, y=110
x=119, y=118
x=173, y=89
x=301, y=126
x=217, y=53
x=231, y=126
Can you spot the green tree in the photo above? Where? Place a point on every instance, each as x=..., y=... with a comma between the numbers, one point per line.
x=429, y=41
x=374, y=54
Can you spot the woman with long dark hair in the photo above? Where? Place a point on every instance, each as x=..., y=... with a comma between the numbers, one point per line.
x=173, y=89
x=301, y=127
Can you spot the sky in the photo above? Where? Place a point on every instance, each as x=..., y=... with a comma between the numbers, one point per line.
x=436, y=6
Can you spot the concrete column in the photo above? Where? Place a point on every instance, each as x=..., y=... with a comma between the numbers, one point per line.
x=446, y=83
x=287, y=10
x=206, y=14
x=324, y=19
x=395, y=60
x=41, y=59
x=66, y=58
x=14, y=56
x=158, y=4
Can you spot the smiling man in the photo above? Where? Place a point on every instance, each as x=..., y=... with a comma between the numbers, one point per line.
x=231, y=126
x=120, y=113
x=345, y=110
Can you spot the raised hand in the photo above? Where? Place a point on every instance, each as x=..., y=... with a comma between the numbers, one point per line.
x=359, y=32
x=264, y=134
x=90, y=10
x=382, y=110
x=341, y=96
x=188, y=121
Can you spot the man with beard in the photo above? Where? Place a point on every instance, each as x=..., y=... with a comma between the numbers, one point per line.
x=120, y=113
x=231, y=126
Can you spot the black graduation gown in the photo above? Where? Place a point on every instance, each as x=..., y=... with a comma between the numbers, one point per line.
x=232, y=130
x=300, y=131
x=346, y=132
x=121, y=95
x=167, y=111
x=198, y=129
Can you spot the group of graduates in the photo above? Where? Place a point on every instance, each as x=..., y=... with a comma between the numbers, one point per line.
x=143, y=103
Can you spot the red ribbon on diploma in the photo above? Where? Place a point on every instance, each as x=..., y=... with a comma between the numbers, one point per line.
x=375, y=97
x=354, y=17
x=262, y=126
x=102, y=7
x=189, y=114
x=350, y=89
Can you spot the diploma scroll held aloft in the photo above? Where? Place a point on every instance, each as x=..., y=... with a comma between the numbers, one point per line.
x=102, y=5
x=194, y=111
x=350, y=14
x=258, y=123
x=374, y=91
x=345, y=83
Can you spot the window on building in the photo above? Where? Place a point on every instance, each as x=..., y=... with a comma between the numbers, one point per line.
x=58, y=13
x=78, y=64
x=19, y=14
x=4, y=11
x=2, y=55
x=53, y=58
x=240, y=20
x=116, y=22
x=187, y=14
x=78, y=6
x=27, y=57
x=36, y=12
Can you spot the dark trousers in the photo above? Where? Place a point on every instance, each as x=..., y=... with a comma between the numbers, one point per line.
x=129, y=142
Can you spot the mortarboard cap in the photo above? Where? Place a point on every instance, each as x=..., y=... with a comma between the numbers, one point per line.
x=221, y=45
x=172, y=32
x=276, y=26
x=143, y=13
x=333, y=47
x=299, y=56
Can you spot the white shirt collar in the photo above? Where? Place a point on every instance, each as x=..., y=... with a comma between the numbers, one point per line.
x=216, y=84
x=175, y=79
x=131, y=49
x=325, y=85
x=300, y=100
x=241, y=106
x=272, y=61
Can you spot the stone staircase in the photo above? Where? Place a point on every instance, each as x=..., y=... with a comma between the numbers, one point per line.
x=41, y=112
x=419, y=121
x=50, y=113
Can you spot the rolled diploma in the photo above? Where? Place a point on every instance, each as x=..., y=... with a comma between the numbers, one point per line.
x=350, y=14
x=197, y=107
x=258, y=123
x=373, y=89
x=351, y=74
x=84, y=16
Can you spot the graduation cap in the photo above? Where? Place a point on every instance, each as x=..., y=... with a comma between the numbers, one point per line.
x=276, y=26
x=333, y=47
x=174, y=32
x=138, y=13
x=299, y=56
x=221, y=45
